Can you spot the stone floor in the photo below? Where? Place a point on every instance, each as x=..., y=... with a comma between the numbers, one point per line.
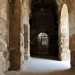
x=39, y=66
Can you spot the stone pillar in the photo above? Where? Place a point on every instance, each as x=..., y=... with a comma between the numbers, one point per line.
x=72, y=36
x=64, y=35
x=71, y=7
x=14, y=35
x=72, y=47
x=25, y=27
x=27, y=41
x=22, y=37
x=4, y=28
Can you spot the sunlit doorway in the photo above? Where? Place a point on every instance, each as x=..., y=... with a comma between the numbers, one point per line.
x=42, y=43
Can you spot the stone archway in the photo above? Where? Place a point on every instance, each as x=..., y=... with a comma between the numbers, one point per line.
x=25, y=16
x=64, y=34
x=42, y=43
x=25, y=30
x=27, y=52
x=44, y=19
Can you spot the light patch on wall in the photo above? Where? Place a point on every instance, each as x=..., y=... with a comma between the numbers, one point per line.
x=64, y=34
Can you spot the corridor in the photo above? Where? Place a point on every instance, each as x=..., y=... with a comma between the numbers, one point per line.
x=39, y=66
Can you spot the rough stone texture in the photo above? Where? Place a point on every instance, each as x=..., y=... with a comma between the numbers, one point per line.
x=71, y=7
x=19, y=38
x=2, y=64
x=71, y=11
x=63, y=45
x=64, y=50
x=64, y=34
x=72, y=47
x=14, y=35
x=22, y=45
x=22, y=37
x=4, y=55
x=64, y=42
x=25, y=13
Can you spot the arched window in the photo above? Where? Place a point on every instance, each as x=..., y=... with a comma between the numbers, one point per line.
x=43, y=39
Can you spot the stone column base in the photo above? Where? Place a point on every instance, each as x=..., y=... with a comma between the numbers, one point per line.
x=27, y=56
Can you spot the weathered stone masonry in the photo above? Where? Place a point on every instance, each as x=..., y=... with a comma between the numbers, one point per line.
x=25, y=27
x=4, y=36
x=15, y=33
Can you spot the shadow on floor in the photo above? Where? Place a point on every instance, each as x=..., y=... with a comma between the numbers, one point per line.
x=44, y=56
x=39, y=66
x=64, y=72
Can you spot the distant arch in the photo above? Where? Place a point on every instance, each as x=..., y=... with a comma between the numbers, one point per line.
x=43, y=38
x=42, y=43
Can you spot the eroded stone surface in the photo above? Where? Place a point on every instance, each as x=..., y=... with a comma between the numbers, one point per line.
x=2, y=64
x=25, y=14
x=22, y=36
x=4, y=54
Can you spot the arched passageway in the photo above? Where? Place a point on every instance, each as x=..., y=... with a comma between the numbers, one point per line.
x=44, y=19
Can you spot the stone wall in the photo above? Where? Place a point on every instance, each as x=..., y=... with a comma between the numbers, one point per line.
x=4, y=40
x=25, y=27
x=71, y=11
x=14, y=35
x=25, y=31
x=64, y=52
x=71, y=6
